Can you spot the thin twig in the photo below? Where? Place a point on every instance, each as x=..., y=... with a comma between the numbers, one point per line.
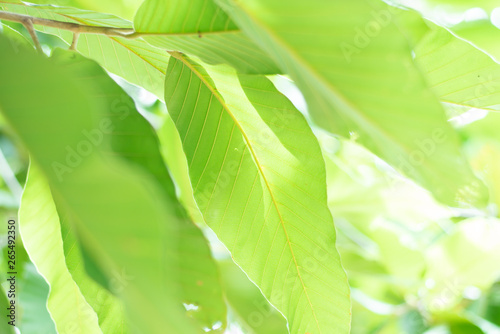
x=74, y=27
x=28, y=24
x=75, y=41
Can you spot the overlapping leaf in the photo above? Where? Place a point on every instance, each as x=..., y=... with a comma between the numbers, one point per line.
x=459, y=73
x=41, y=233
x=358, y=77
x=200, y=28
x=253, y=312
x=259, y=180
x=483, y=34
x=133, y=139
x=172, y=152
x=479, y=28
x=52, y=245
x=120, y=217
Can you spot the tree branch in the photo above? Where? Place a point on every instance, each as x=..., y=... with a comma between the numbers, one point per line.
x=28, y=24
x=74, y=27
x=75, y=41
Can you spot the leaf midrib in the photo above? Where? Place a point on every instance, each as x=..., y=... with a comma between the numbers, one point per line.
x=180, y=34
x=306, y=65
x=214, y=91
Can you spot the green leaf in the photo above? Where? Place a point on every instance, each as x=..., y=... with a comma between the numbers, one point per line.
x=492, y=312
x=482, y=34
x=200, y=28
x=259, y=180
x=71, y=284
x=254, y=313
x=109, y=309
x=487, y=159
x=41, y=233
x=172, y=152
x=459, y=73
x=121, y=8
x=358, y=77
x=132, y=59
x=463, y=326
x=15, y=37
x=133, y=139
x=480, y=29
x=123, y=218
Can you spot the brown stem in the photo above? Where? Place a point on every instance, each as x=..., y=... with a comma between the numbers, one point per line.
x=75, y=41
x=74, y=27
x=28, y=24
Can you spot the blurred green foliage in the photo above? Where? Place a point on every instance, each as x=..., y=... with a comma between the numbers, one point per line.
x=419, y=244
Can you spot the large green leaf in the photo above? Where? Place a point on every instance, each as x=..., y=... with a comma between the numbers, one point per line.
x=353, y=63
x=41, y=233
x=133, y=139
x=124, y=219
x=200, y=28
x=259, y=180
x=109, y=310
x=51, y=248
x=459, y=73
x=133, y=59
